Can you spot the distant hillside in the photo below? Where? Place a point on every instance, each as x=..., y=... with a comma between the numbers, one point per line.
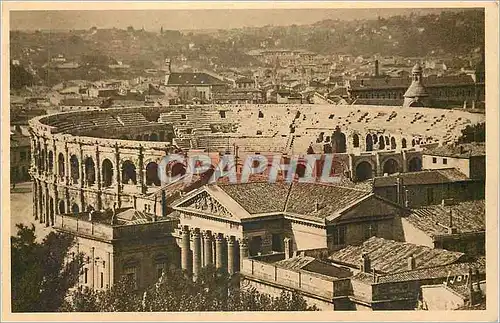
x=449, y=33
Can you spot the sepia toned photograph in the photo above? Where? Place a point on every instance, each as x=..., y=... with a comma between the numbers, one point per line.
x=264, y=159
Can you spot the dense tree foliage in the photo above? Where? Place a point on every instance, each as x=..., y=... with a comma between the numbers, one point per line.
x=19, y=77
x=214, y=290
x=41, y=272
x=474, y=133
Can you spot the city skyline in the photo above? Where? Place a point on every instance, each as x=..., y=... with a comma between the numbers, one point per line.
x=198, y=19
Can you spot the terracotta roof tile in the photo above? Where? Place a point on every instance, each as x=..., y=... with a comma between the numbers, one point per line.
x=467, y=216
x=392, y=256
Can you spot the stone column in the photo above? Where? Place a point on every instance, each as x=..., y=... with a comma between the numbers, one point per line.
x=98, y=176
x=46, y=159
x=67, y=164
x=47, y=206
x=117, y=175
x=56, y=202
x=185, y=248
x=55, y=164
x=207, y=244
x=196, y=253
x=405, y=161
x=351, y=167
x=243, y=251
x=219, y=251
x=378, y=167
x=82, y=167
x=35, y=199
x=231, y=253
x=140, y=173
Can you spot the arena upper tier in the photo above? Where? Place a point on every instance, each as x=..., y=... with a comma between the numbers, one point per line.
x=101, y=158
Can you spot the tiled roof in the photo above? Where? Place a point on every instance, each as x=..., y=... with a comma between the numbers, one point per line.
x=434, y=176
x=467, y=216
x=416, y=89
x=404, y=82
x=390, y=256
x=436, y=271
x=259, y=197
x=330, y=198
x=297, y=198
x=458, y=151
x=313, y=265
x=192, y=79
x=81, y=102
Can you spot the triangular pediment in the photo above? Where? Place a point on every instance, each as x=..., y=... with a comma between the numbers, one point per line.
x=206, y=203
x=371, y=206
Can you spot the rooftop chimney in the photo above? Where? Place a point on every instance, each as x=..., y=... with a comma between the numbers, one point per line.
x=451, y=228
x=365, y=263
x=316, y=208
x=288, y=248
x=412, y=264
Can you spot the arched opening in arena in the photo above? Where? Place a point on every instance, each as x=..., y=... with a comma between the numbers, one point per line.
x=403, y=143
x=145, y=137
x=138, y=137
x=415, y=164
x=355, y=141
x=178, y=169
x=75, y=169
x=89, y=171
x=387, y=141
x=75, y=209
x=51, y=161
x=128, y=173
x=416, y=104
x=381, y=143
x=338, y=141
x=153, y=137
x=390, y=166
x=300, y=171
x=363, y=171
x=107, y=173
x=327, y=149
x=369, y=142
x=152, y=177
x=60, y=164
x=62, y=207
x=375, y=138
x=413, y=143
x=393, y=143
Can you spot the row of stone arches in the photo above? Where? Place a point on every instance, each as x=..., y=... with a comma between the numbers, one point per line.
x=364, y=170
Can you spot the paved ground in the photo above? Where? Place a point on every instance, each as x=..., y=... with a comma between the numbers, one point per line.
x=21, y=208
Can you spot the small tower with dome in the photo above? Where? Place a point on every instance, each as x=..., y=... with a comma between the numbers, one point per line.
x=416, y=95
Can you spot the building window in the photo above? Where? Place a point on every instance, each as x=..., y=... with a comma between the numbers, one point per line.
x=255, y=245
x=445, y=161
x=131, y=274
x=102, y=279
x=23, y=155
x=434, y=160
x=183, y=116
x=85, y=275
x=160, y=269
x=276, y=243
x=370, y=230
x=339, y=234
x=222, y=114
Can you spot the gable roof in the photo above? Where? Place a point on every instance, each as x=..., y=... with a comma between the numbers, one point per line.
x=458, y=151
x=389, y=256
x=468, y=216
x=434, y=176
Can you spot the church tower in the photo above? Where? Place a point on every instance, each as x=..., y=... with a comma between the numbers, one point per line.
x=416, y=95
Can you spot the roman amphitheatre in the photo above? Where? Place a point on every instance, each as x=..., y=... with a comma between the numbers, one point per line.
x=107, y=158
